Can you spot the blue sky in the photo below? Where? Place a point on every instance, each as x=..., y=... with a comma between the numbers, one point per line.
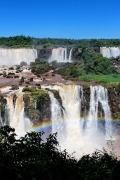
x=78, y=19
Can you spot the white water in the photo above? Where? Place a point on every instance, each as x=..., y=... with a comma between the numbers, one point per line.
x=57, y=116
x=15, y=112
x=80, y=135
x=110, y=52
x=99, y=96
x=60, y=55
x=10, y=57
x=74, y=133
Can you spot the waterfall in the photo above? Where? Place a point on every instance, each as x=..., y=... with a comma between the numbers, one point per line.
x=56, y=116
x=1, y=121
x=60, y=55
x=74, y=133
x=110, y=52
x=10, y=57
x=70, y=56
x=98, y=94
x=71, y=96
x=16, y=116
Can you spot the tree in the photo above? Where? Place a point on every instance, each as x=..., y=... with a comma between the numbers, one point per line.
x=23, y=63
x=22, y=80
x=29, y=157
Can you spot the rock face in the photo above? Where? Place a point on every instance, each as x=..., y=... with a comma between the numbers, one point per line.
x=10, y=57
x=114, y=101
x=44, y=53
x=37, y=107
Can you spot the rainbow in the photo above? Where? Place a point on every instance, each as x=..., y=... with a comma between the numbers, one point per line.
x=42, y=126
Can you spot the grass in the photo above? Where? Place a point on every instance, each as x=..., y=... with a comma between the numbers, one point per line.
x=101, y=78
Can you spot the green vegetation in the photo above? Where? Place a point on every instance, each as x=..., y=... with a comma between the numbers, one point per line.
x=23, y=63
x=101, y=78
x=31, y=158
x=26, y=41
x=29, y=89
x=16, y=41
x=22, y=80
x=81, y=43
x=36, y=94
x=39, y=67
x=91, y=66
x=36, y=102
x=11, y=68
x=39, y=95
x=14, y=87
x=88, y=61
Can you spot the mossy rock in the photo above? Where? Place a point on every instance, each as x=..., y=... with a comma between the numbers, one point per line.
x=29, y=89
x=39, y=95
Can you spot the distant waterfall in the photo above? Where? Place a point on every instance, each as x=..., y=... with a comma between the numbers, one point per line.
x=98, y=94
x=15, y=113
x=70, y=56
x=110, y=52
x=10, y=56
x=1, y=121
x=61, y=55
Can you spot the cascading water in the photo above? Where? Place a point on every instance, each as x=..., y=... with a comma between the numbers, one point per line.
x=57, y=116
x=110, y=52
x=98, y=94
x=10, y=57
x=70, y=56
x=15, y=113
x=71, y=96
x=74, y=133
x=79, y=134
x=60, y=55
x=1, y=121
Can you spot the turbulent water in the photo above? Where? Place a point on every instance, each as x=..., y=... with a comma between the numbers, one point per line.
x=81, y=134
x=10, y=57
x=75, y=133
x=14, y=113
x=99, y=96
x=110, y=52
x=61, y=55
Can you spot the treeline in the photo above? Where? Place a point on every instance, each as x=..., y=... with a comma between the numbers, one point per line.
x=29, y=157
x=27, y=41
x=16, y=41
x=49, y=42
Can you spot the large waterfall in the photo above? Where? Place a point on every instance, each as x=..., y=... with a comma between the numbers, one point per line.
x=61, y=55
x=110, y=52
x=10, y=57
x=75, y=133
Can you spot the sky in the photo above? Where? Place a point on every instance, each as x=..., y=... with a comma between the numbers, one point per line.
x=74, y=19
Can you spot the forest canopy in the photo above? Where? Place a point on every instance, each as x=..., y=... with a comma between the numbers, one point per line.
x=29, y=157
x=27, y=41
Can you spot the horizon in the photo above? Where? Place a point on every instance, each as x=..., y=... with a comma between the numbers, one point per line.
x=61, y=19
x=60, y=38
